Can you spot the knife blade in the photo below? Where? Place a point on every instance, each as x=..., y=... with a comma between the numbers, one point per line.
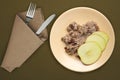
x=45, y=24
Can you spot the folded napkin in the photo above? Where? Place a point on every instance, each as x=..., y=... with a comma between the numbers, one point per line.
x=23, y=40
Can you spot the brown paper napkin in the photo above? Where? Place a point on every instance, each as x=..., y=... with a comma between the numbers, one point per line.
x=23, y=40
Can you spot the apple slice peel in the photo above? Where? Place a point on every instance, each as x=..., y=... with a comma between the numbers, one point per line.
x=92, y=49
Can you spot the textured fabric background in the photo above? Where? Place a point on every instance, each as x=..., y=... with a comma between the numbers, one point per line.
x=42, y=65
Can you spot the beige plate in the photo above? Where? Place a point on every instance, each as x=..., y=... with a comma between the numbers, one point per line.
x=81, y=15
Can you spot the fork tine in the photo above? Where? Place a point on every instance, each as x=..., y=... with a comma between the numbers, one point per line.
x=32, y=6
x=34, y=9
x=31, y=10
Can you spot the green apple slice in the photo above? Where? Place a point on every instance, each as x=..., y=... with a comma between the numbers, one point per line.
x=89, y=52
x=102, y=34
x=98, y=39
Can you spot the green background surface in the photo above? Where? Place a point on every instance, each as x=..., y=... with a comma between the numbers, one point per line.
x=42, y=65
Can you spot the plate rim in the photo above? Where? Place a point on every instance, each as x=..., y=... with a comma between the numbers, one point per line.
x=98, y=13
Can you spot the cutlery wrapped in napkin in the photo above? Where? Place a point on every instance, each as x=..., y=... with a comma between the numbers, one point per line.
x=23, y=40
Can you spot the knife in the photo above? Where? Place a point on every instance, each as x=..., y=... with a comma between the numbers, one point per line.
x=45, y=24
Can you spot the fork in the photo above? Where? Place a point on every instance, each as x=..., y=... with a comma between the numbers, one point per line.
x=30, y=12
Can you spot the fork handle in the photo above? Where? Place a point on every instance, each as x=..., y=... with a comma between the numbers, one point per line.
x=27, y=20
